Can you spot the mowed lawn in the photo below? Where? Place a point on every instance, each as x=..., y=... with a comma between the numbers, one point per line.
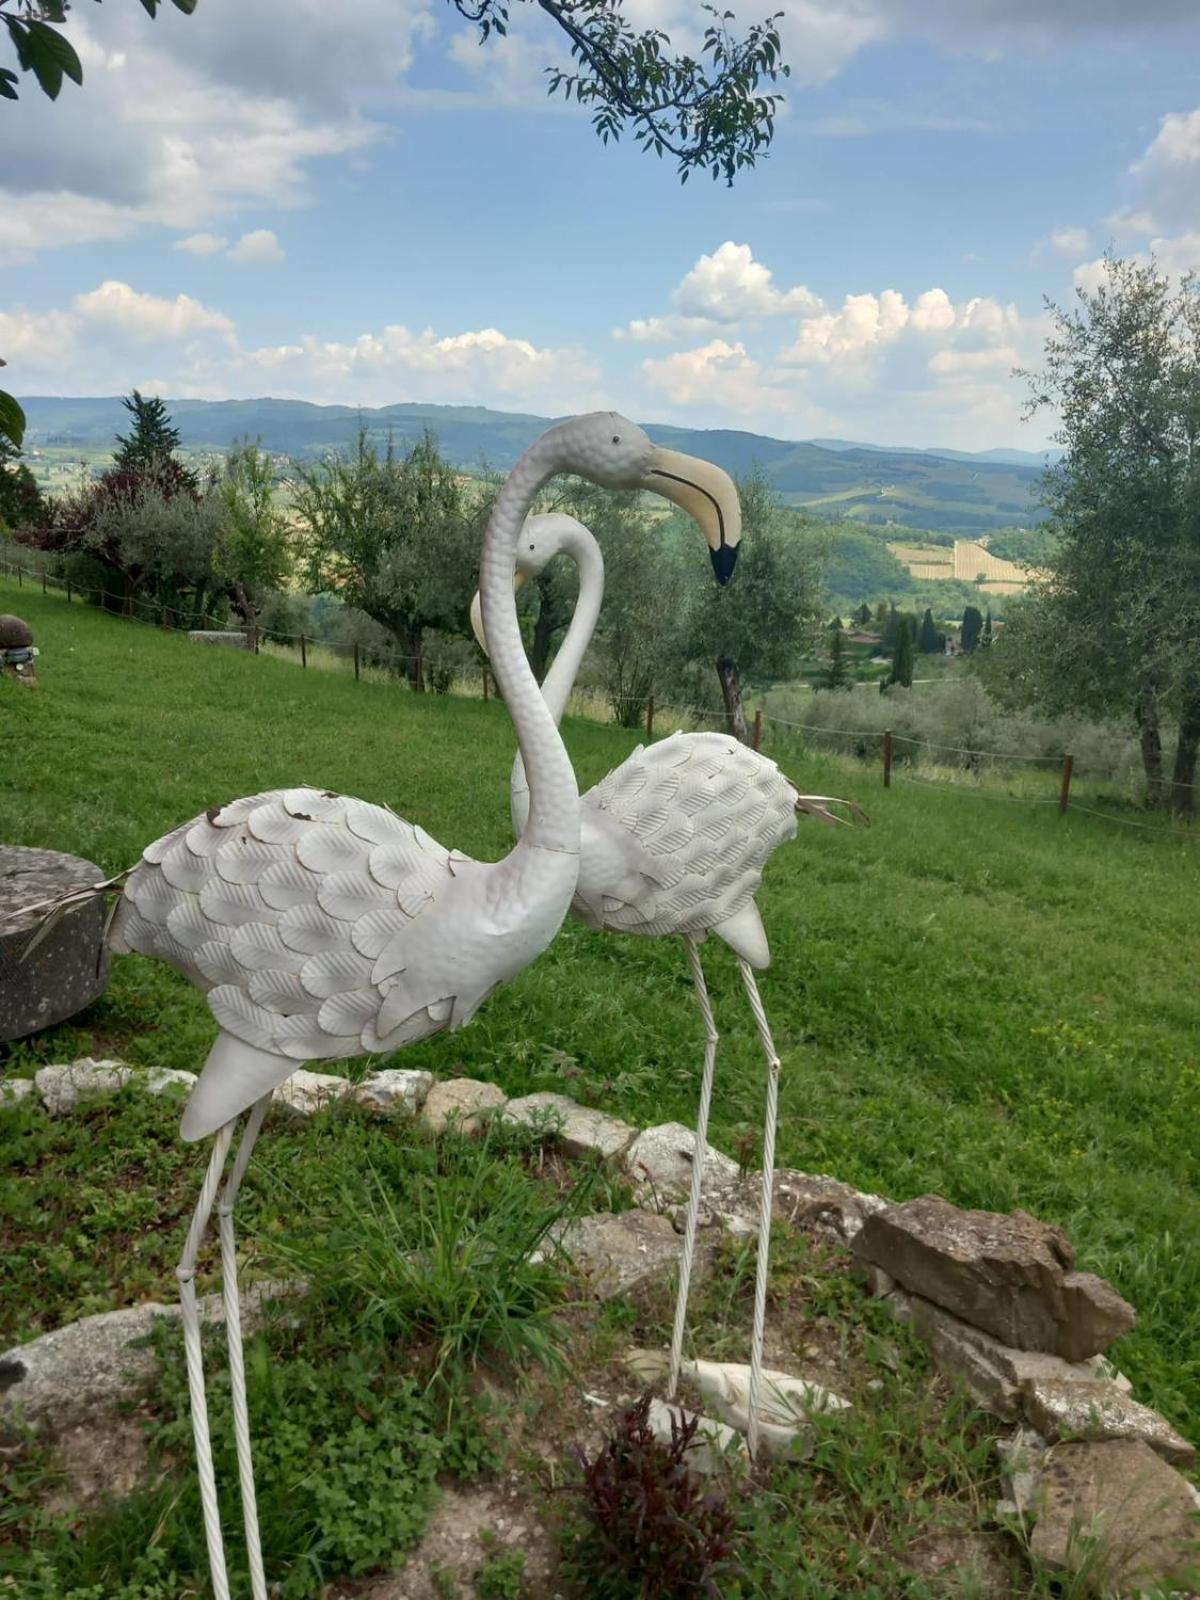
x=971, y=997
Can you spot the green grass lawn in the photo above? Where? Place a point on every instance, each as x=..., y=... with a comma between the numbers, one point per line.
x=992, y=1002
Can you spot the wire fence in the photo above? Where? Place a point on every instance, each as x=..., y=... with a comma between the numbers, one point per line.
x=893, y=751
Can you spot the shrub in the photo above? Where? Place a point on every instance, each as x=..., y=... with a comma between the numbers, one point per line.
x=652, y=1529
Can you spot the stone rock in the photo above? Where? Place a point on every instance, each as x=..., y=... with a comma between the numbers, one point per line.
x=103, y=1361
x=1012, y=1276
x=231, y=640
x=465, y=1103
x=813, y=1202
x=620, y=1254
x=14, y=1089
x=1117, y=1511
x=995, y=1373
x=1063, y=1409
x=309, y=1092
x=579, y=1130
x=1022, y=1457
x=69, y=968
x=396, y=1089
x=166, y=1080
x=62, y=1087
x=660, y=1162
x=713, y=1443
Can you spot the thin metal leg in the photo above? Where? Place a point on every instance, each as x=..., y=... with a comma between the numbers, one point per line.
x=768, y=1195
x=693, y=1210
x=233, y=1330
x=186, y=1273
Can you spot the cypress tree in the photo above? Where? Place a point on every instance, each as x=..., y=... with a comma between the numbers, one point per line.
x=148, y=449
x=902, y=661
x=930, y=641
x=987, y=629
x=837, y=672
x=972, y=627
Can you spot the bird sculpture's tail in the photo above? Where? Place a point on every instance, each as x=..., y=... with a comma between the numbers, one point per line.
x=52, y=911
x=817, y=805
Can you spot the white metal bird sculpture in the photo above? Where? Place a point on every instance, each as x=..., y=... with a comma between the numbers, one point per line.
x=674, y=841
x=321, y=927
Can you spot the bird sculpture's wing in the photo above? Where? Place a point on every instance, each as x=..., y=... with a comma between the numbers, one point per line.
x=311, y=919
x=676, y=838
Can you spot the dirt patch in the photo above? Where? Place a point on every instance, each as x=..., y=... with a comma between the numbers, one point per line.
x=469, y=1527
x=983, y=1566
x=98, y=1460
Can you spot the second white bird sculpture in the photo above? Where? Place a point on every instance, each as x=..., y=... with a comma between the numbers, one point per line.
x=674, y=841
x=321, y=927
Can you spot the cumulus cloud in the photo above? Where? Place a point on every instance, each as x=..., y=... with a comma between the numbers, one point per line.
x=115, y=336
x=188, y=120
x=261, y=248
x=724, y=289
x=1168, y=176
x=201, y=244
x=1070, y=242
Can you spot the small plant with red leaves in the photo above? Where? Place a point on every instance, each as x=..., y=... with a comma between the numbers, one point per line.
x=652, y=1528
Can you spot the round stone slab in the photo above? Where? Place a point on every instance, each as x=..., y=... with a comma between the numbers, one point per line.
x=69, y=969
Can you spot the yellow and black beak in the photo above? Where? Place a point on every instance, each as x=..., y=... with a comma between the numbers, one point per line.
x=708, y=496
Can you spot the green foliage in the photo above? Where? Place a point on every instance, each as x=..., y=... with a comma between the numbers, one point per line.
x=972, y=629
x=148, y=450
x=929, y=641
x=434, y=1248
x=253, y=549
x=502, y=1576
x=1083, y=1111
x=12, y=417
x=34, y=31
x=21, y=503
x=837, y=674
x=394, y=536
x=903, y=660
x=652, y=1529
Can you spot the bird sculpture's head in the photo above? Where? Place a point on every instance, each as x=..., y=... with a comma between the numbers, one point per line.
x=617, y=454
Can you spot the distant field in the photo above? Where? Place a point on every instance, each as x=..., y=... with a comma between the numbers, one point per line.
x=974, y=997
x=963, y=562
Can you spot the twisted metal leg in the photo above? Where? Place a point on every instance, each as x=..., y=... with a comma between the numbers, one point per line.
x=768, y=1195
x=186, y=1273
x=693, y=1210
x=233, y=1330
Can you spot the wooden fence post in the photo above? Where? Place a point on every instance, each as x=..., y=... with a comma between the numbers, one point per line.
x=303, y=652
x=68, y=591
x=485, y=683
x=43, y=580
x=1064, y=794
x=19, y=584
x=757, y=728
x=887, y=759
x=356, y=665
x=650, y=719
x=256, y=638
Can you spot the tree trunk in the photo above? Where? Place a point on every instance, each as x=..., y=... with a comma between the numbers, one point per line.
x=249, y=615
x=543, y=637
x=1183, y=778
x=731, y=694
x=127, y=602
x=1151, y=741
x=414, y=667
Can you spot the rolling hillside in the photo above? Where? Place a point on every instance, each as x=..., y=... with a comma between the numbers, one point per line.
x=948, y=493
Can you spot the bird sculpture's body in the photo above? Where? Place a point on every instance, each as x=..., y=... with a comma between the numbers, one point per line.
x=674, y=841
x=321, y=927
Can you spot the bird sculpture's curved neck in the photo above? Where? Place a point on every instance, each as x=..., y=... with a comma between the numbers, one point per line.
x=581, y=546
x=553, y=794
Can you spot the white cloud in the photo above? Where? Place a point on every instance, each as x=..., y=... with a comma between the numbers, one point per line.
x=722, y=290
x=1070, y=242
x=201, y=244
x=865, y=321
x=258, y=249
x=717, y=372
x=186, y=121
x=148, y=318
x=115, y=336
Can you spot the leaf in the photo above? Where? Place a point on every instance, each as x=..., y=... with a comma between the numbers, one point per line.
x=186, y=6
x=12, y=418
x=49, y=56
x=7, y=80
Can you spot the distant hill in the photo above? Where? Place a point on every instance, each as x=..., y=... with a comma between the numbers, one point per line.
x=947, y=491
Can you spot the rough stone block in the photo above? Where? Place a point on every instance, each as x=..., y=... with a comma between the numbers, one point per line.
x=62, y=1087
x=69, y=968
x=168, y=1080
x=580, y=1130
x=464, y=1103
x=1064, y=1409
x=396, y=1089
x=621, y=1254
x=1012, y=1276
x=14, y=1089
x=231, y=640
x=660, y=1162
x=309, y=1092
x=1118, y=1512
x=813, y=1202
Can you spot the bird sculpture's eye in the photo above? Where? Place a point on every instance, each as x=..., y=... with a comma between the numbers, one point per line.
x=531, y=547
x=616, y=438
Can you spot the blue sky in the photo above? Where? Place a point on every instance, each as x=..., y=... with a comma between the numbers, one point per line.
x=359, y=204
